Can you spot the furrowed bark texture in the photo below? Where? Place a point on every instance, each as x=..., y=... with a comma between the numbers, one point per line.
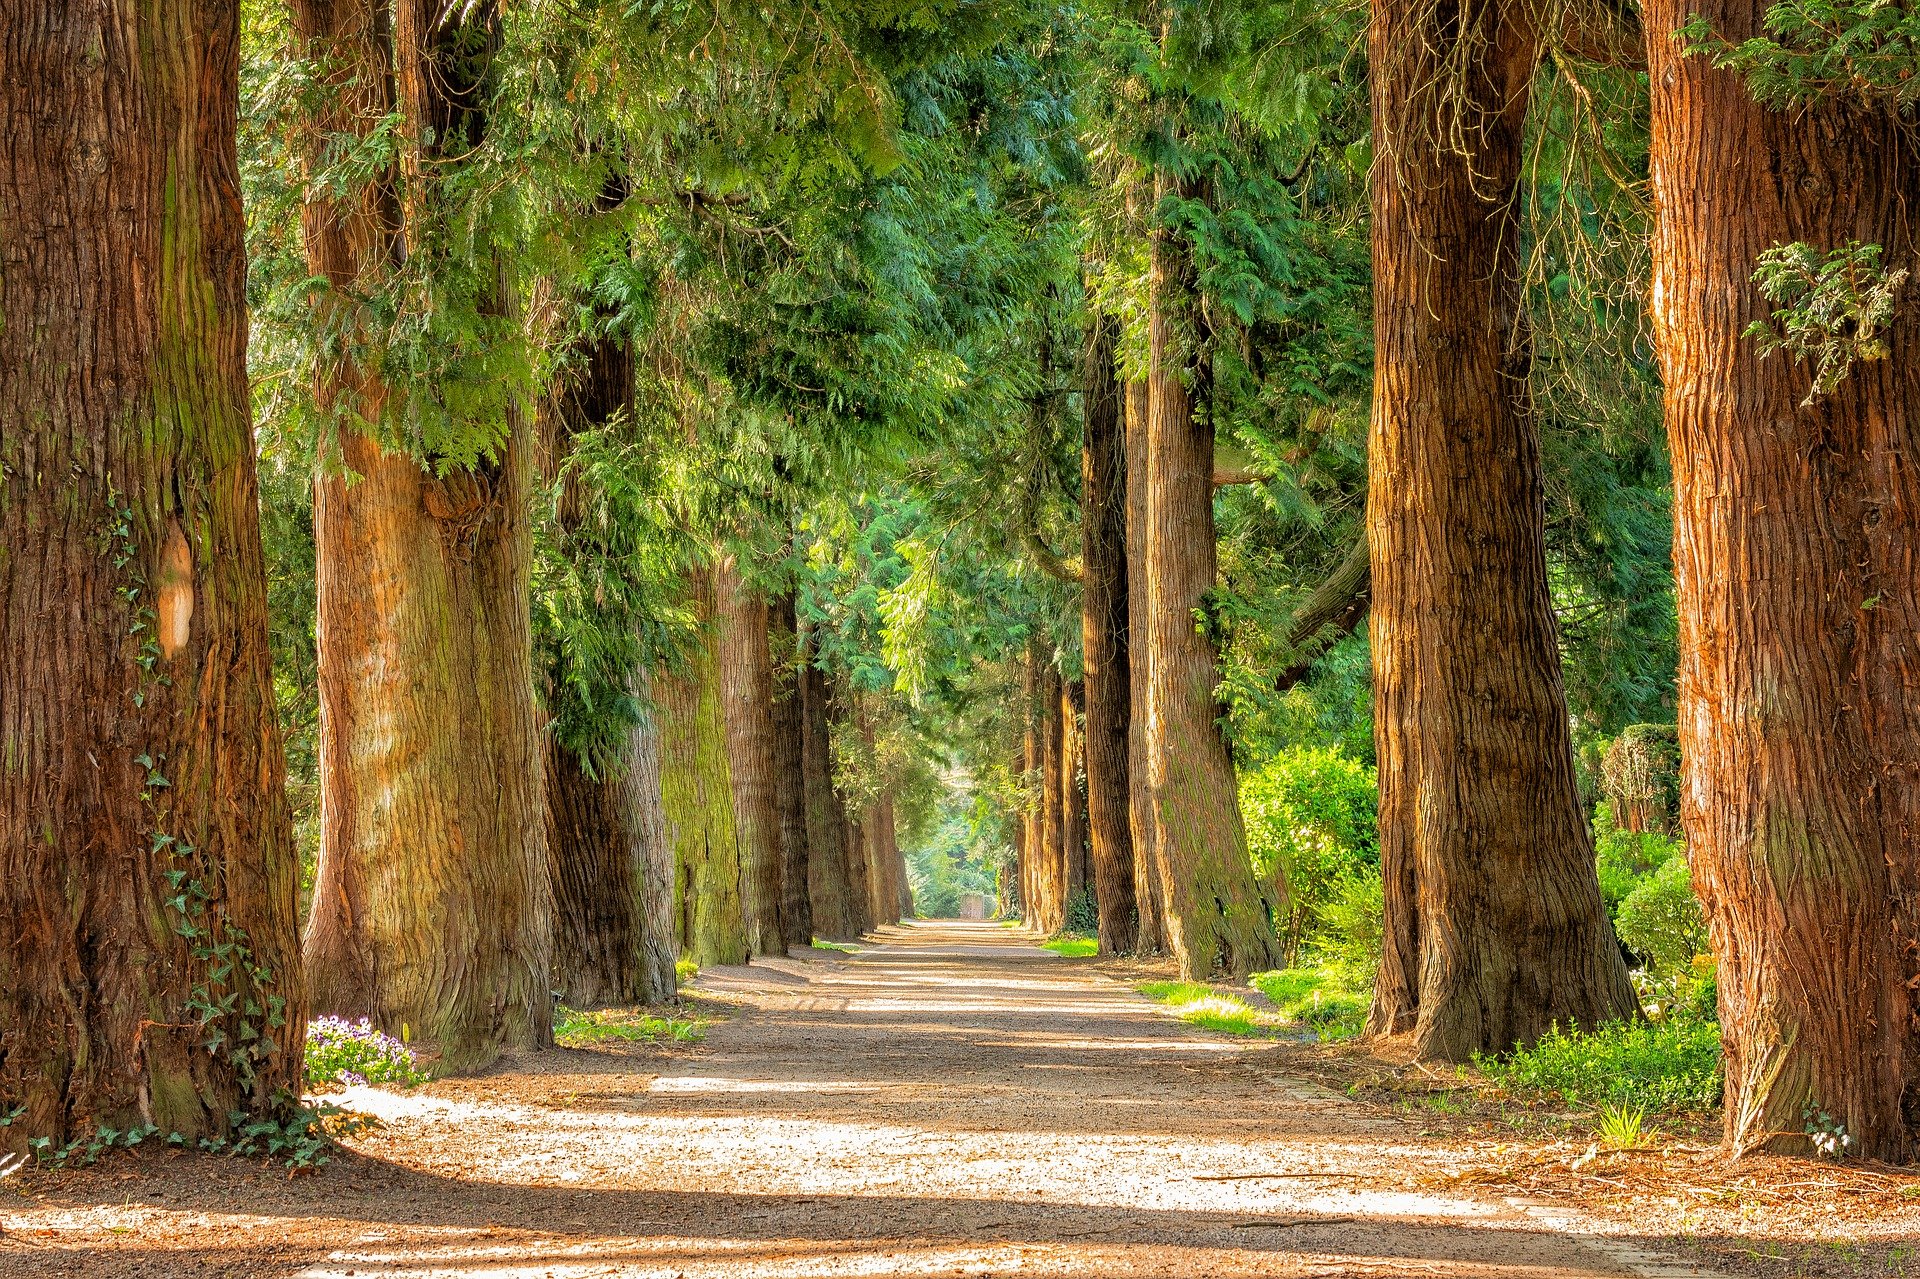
x=696, y=791
x=133, y=624
x=834, y=915
x=432, y=910
x=1494, y=924
x=746, y=674
x=605, y=834
x=1217, y=918
x=1151, y=936
x=1795, y=532
x=789, y=773
x=1103, y=618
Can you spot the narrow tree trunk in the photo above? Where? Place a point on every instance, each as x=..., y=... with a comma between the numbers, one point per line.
x=746, y=673
x=133, y=614
x=1795, y=532
x=1217, y=918
x=1151, y=938
x=1103, y=618
x=1494, y=924
x=696, y=790
x=789, y=773
x=833, y=913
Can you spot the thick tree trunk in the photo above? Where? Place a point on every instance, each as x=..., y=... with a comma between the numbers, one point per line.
x=1217, y=919
x=612, y=871
x=1103, y=618
x=1795, y=532
x=827, y=885
x=1494, y=924
x=746, y=672
x=789, y=773
x=696, y=791
x=1151, y=938
x=133, y=628
x=432, y=911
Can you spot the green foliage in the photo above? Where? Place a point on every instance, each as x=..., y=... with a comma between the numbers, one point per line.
x=575, y=1029
x=1310, y=815
x=1331, y=999
x=1862, y=51
x=1661, y=1066
x=344, y=1052
x=1829, y=308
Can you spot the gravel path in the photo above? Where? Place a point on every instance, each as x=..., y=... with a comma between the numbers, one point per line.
x=948, y=1101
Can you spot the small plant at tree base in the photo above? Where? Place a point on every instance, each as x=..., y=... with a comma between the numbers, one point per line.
x=1830, y=1137
x=353, y=1052
x=1622, y=1127
x=1829, y=308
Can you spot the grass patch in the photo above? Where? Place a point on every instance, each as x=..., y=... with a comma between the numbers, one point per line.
x=574, y=1029
x=1071, y=946
x=834, y=945
x=1201, y=1005
x=1325, y=998
x=1656, y=1066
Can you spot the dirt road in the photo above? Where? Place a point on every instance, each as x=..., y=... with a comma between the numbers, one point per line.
x=949, y=1101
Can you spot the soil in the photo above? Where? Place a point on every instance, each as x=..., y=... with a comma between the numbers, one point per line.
x=950, y=1100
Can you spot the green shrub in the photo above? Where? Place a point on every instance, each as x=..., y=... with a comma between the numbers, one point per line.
x=1671, y=1065
x=1311, y=822
x=1328, y=999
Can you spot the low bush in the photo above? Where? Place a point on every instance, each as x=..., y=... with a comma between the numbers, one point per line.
x=1671, y=1065
x=353, y=1052
x=1327, y=999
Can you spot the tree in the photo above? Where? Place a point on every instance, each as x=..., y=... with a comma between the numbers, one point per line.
x=1216, y=919
x=147, y=871
x=746, y=673
x=1495, y=929
x=1794, y=543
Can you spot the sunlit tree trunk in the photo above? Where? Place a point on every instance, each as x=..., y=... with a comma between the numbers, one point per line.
x=1150, y=938
x=1216, y=919
x=746, y=672
x=1494, y=924
x=1103, y=616
x=696, y=789
x=1795, y=536
x=431, y=910
x=789, y=773
x=833, y=912
x=137, y=733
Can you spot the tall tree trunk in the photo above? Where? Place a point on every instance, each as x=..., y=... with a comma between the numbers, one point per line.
x=789, y=773
x=1494, y=924
x=1073, y=795
x=432, y=910
x=604, y=834
x=1103, y=626
x=696, y=791
x=833, y=912
x=1217, y=918
x=1795, y=531
x=133, y=614
x=746, y=672
x=1151, y=938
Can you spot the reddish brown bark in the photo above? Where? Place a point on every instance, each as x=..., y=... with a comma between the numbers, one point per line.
x=1151, y=936
x=133, y=627
x=1103, y=616
x=789, y=772
x=1795, y=531
x=432, y=911
x=1494, y=924
x=746, y=676
x=1217, y=920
